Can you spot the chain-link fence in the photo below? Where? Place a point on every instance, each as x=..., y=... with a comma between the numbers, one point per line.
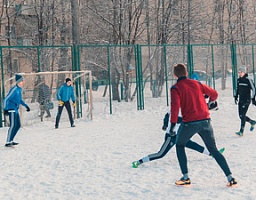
x=130, y=73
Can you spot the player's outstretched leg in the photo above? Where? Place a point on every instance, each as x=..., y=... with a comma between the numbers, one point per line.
x=136, y=164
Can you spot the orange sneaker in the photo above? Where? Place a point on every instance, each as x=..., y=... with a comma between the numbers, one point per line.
x=183, y=181
x=232, y=183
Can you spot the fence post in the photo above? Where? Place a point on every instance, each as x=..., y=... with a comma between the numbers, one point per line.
x=139, y=78
x=38, y=59
x=253, y=64
x=234, y=66
x=2, y=86
x=76, y=67
x=122, y=89
x=213, y=70
x=166, y=76
x=109, y=81
x=190, y=64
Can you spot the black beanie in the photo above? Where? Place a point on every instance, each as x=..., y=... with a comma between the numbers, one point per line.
x=68, y=79
x=18, y=78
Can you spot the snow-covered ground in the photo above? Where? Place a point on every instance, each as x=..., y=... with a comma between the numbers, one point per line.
x=93, y=160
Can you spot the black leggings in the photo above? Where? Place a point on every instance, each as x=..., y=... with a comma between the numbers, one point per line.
x=60, y=108
x=204, y=129
x=242, y=110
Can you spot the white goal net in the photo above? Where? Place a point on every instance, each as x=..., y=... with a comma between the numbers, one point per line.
x=44, y=106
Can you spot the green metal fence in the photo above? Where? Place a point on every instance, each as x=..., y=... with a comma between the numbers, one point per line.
x=131, y=73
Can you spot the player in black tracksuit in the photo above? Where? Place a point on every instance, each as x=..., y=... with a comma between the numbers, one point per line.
x=169, y=142
x=243, y=93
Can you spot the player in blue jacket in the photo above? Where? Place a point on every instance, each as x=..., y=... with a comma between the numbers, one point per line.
x=11, y=108
x=65, y=93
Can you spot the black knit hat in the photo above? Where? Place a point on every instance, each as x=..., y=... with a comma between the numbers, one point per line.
x=18, y=78
x=68, y=79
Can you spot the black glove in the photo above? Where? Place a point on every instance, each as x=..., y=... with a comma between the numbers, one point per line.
x=172, y=132
x=206, y=96
x=27, y=108
x=6, y=112
x=165, y=122
x=213, y=105
x=253, y=101
x=164, y=128
x=236, y=100
x=173, y=137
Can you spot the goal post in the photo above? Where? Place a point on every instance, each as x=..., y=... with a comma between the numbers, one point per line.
x=82, y=83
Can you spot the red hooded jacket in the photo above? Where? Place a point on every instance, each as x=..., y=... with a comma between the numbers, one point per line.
x=188, y=95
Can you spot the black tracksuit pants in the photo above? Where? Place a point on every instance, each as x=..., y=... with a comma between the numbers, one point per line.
x=242, y=110
x=60, y=108
x=169, y=142
x=14, y=118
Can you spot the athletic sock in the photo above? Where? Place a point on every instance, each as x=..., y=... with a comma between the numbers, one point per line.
x=206, y=151
x=185, y=176
x=229, y=177
x=145, y=159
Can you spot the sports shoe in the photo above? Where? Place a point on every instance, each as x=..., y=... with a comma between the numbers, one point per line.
x=47, y=116
x=56, y=127
x=232, y=183
x=135, y=164
x=183, y=181
x=14, y=143
x=8, y=144
x=73, y=125
x=222, y=150
x=252, y=125
x=239, y=133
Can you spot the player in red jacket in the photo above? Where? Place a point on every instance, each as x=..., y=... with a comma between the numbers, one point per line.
x=188, y=95
x=169, y=142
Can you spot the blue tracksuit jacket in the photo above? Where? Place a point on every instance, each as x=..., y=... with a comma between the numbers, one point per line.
x=65, y=93
x=13, y=99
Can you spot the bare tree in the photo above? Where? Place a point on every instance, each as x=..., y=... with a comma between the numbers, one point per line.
x=121, y=24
